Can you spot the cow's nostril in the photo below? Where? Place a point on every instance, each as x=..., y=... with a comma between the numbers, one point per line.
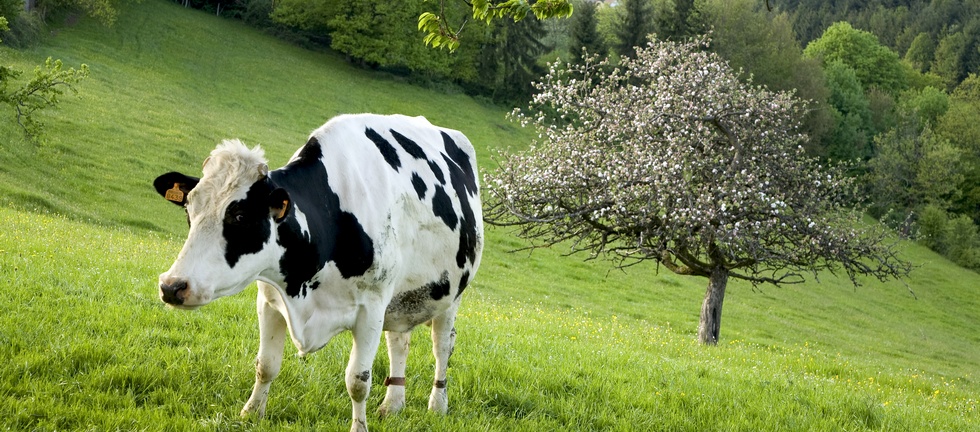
x=173, y=293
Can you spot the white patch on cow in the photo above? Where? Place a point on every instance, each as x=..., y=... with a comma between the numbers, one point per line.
x=304, y=225
x=230, y=170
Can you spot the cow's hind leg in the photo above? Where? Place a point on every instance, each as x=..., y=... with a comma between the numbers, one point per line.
x=272, y=337
x=367, y=337
x=443, y=339
x=398, y=357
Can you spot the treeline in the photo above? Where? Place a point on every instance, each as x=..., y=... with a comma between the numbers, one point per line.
x=892, y=85
x=498, y=61
x=938, y=36
x=896, y=93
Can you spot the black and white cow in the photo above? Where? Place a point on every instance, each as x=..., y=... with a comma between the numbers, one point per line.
x=374, y=225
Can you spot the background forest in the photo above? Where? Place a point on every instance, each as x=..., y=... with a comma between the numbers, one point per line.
x=892, y=85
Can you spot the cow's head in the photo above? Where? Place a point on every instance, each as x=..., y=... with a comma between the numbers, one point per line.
x=232, y=211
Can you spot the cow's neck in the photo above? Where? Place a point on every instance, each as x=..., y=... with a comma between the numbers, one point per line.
x=317, y=231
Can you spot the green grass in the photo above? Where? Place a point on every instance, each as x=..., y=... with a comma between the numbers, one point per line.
x=86, y=345
x=545, y=342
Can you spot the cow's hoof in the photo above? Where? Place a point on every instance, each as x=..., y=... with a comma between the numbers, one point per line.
x=359, y=426
x=252, y=411
x=387, y=409
x=439, y=401
x=394, y=400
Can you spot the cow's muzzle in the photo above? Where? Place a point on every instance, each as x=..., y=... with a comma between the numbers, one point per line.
x=173, y=291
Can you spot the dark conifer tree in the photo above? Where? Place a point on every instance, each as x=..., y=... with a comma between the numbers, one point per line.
x=519, y=58
x=585, y=32
x=635, y=26
x=508, y=62
x=679, y=23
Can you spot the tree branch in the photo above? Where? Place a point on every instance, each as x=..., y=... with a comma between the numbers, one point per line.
x=666, y=259
x=731, y=137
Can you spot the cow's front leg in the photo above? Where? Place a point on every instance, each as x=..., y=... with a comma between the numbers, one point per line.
x=367, y=337
x=272, y=337
x=443, y=339
x=398, y=357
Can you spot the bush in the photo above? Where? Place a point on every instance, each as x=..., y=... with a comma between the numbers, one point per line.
x=256, y=13
x=26, y=28
x=956, y=239
x=11, y=8
x=933, y=228
x=962, y=242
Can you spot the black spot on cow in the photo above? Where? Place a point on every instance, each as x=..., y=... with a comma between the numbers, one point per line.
x=412, y=307
x=311, y=151
x=442, y=207
x=419, y=185
x=364, y=376
x=440, y=288
x=413, y=149
x=437, y=172
x=300, y=261
x=467, y=231
x=409, y=302
x=306, y=287
x=462, y=160
x=416, y=306
x=353, y=251
x=387, y=150
x=410, y=146
x=334, y=235
x=463, y=281
x=246, y=226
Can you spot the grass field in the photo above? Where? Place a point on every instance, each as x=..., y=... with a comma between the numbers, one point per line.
x=545, y=342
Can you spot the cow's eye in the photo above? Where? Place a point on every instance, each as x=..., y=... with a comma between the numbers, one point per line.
x=236, y=216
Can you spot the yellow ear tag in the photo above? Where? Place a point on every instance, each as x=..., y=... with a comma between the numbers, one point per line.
x=282, y=211
x=176, y=195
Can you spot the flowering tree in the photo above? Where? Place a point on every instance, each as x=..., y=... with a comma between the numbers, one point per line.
x=670, y=158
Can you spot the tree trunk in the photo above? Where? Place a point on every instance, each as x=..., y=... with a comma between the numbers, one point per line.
x=710, y=326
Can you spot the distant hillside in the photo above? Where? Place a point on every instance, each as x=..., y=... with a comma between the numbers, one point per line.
x=896, y=23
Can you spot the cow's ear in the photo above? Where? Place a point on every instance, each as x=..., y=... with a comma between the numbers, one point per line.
x=175, y=186
x=279, y=204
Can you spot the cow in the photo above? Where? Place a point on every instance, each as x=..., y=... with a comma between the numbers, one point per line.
x=373, y=225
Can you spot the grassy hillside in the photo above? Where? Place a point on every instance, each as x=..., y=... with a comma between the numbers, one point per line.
x=546, y=342
x=167, y=84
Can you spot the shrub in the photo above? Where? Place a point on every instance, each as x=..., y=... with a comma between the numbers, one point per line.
x=26, y=28
x=962, y=242
x=933, y=228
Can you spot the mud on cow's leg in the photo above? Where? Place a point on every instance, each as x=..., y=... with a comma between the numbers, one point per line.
x=272, y=337
x=367, y=337
x=397, y=358
x=443, y=339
